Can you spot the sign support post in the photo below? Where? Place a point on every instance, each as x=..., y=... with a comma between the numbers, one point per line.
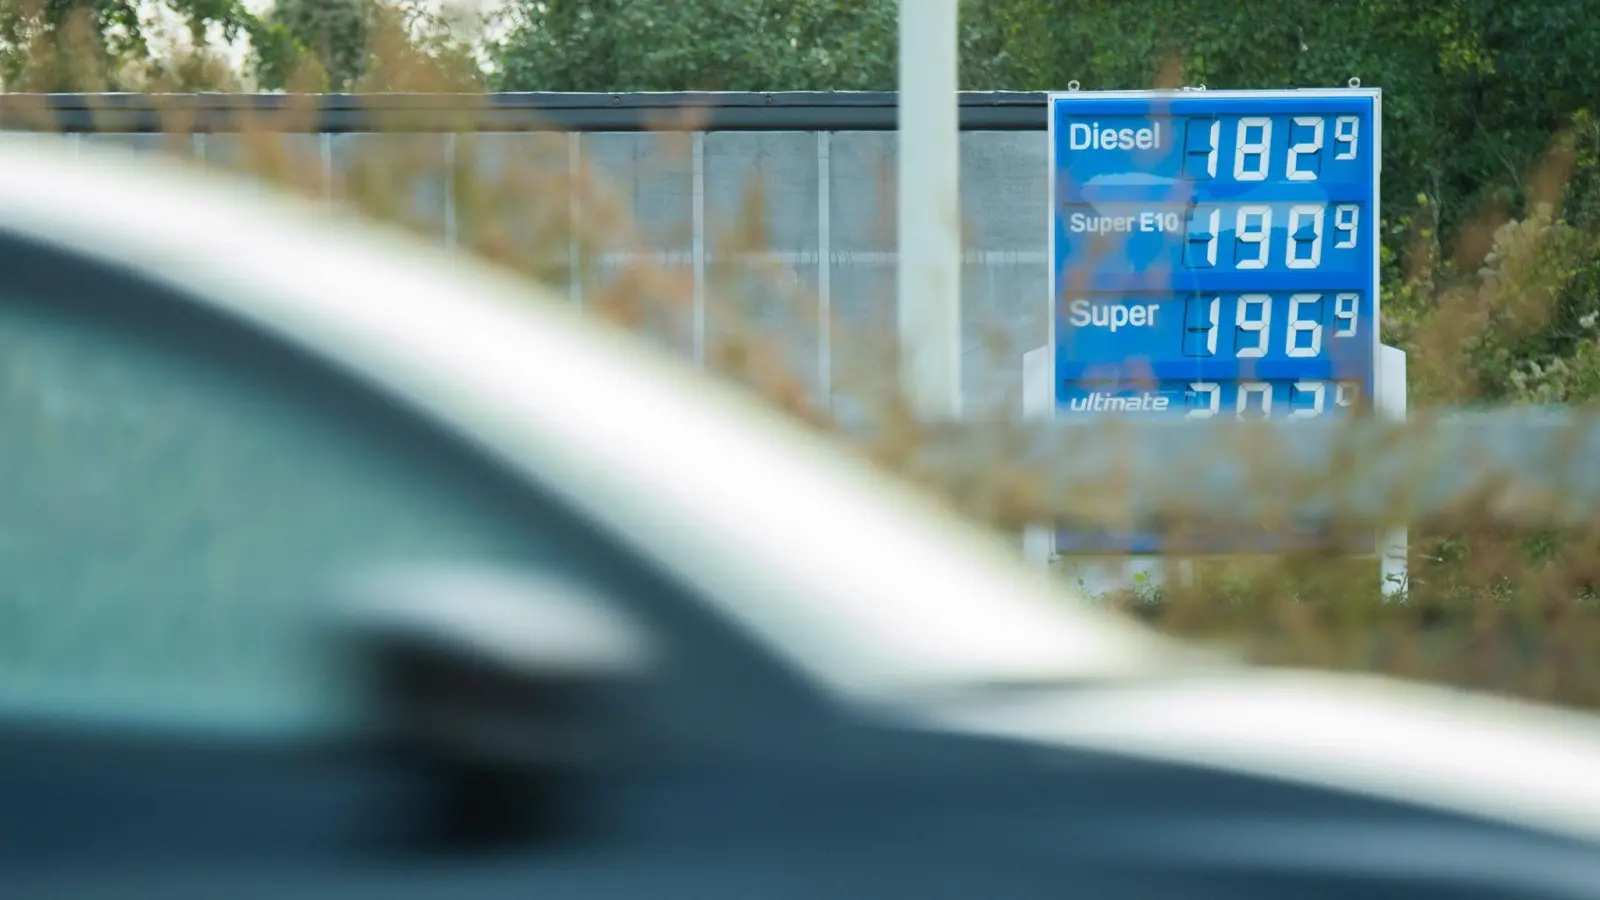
x=1391, y=403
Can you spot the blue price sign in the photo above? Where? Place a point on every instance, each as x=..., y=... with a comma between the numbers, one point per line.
x=1215, y=253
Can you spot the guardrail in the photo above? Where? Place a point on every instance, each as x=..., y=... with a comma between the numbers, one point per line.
x=566, y=112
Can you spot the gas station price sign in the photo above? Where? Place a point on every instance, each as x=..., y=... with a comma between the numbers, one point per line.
x=1215, y=252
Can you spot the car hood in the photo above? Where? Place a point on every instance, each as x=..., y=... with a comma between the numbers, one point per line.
x=1470, y=754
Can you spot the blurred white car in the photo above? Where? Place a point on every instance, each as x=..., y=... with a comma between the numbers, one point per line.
x=332, y=564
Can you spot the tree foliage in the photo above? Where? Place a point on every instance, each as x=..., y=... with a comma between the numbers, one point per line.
x=646, y=45
x=311, y=45
x=86, y=45
x=324, y=41
x=365, y=45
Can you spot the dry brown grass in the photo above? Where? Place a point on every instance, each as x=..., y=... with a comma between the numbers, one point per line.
x=1493, y=601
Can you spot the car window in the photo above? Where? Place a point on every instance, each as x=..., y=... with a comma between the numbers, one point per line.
x=179, y=494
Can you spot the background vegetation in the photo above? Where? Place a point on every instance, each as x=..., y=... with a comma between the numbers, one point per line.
x=1491, y=255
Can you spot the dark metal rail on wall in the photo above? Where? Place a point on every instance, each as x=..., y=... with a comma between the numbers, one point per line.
x=337, y=113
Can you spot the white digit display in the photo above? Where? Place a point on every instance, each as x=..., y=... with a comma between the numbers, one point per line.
x=1248, y=324
x=1212, y=322
x=1252, y=227
x=1346, y=394
x=1345, y=131
x=1344, y=314
x=1305, y=249
x=1345, y=218
x=1251, y=159
x=1213, y=225
x=1213, y=394
x=1301, y=322
x=1214, y=132
x=1311, y=148
x=1317, y=390
x=1247, y=389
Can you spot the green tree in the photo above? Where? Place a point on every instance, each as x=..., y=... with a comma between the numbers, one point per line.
x=319, y=45
x=324, y=42
x=647, y=45
x=97, y=45
x=365, y=45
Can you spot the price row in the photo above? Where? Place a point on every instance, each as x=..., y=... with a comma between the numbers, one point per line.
x=1264, y=398
x=1299, y=399
x=1302, y=231
x=1232, y=152
x=1252, y=333
x=1215, y=239
x=1302, y=144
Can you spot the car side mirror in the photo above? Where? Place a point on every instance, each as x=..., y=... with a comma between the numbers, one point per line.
x=504, y=692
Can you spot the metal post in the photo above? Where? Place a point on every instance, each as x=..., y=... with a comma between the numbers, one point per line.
x=575, y=184
x=698, y=242
x=825, y=267
x=450, y=236
x=1391, y=397
x=929, y=269
x=325, y=152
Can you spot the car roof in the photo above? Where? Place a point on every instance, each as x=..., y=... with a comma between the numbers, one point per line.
x=865, y=584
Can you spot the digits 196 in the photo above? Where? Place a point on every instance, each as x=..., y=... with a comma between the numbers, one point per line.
x=1253, y=335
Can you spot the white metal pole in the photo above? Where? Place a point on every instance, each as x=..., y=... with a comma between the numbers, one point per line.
x=1392, y=396
x=929, y=270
